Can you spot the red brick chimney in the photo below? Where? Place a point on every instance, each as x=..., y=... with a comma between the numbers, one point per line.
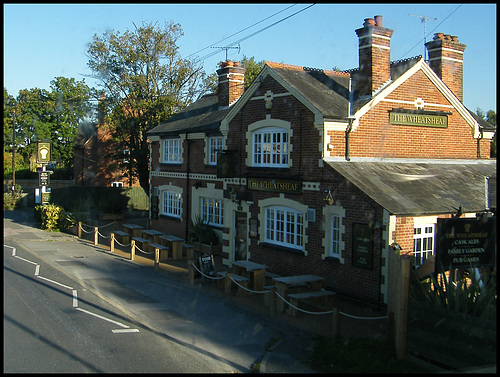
x=231, y=82
x=446, y=59
x=374, y=55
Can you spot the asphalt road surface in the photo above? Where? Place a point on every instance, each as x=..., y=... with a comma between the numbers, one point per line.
x=54, y=325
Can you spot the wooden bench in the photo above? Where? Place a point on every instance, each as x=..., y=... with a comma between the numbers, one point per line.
x=189, y=249
x=243, y=281
x=144, y=243
x=124, y=236
x=163, y=255
x=326, y=298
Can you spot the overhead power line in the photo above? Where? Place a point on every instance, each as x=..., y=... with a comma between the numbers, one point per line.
x=241, y=31
x=257, y=32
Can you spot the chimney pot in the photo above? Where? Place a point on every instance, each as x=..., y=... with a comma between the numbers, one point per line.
x=438, y=36
x=378, y=20
x=447, y=37
x=369, y=22
x=454, y=38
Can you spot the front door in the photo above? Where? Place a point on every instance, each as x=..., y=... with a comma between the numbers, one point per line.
x=240, y=235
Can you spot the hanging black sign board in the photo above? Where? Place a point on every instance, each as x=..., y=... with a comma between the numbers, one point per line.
x=362, y=252
x=465, y=243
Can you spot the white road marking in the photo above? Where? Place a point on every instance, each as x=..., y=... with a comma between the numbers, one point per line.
x=104, y=318
x=121, y=331
x=55, y=282
x=75, y=298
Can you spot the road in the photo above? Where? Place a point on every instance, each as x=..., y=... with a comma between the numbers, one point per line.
x=52, y=324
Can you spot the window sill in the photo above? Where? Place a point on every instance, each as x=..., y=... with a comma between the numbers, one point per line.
x=283, y=248
x=170, y=217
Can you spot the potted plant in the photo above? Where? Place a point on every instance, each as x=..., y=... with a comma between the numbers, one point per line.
x=203, y=237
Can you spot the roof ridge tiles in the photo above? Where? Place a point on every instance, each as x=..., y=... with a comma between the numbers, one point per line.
x=300, y=68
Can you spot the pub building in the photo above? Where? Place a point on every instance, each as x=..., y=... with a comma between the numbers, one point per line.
x=312, y=171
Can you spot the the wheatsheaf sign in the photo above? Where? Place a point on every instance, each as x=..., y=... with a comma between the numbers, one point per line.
x=275, y=185
x=423, y=120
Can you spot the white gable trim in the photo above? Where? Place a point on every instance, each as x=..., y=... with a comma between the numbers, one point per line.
x=440, y=85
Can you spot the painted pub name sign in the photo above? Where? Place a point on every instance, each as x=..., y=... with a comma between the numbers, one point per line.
x=465, y=243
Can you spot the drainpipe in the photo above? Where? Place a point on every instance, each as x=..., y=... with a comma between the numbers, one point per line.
x=479, y=143
x=350, y=118
x=188, y=197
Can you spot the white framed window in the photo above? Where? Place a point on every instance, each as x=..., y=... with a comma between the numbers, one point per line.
x=172, y=151
x=215, y=144
x=336, y=236
x=423, y=243
x=116, y=184
x=270, y=147
x=126, y=156
x=171, y=203
x=212, y=211
x=284, y=227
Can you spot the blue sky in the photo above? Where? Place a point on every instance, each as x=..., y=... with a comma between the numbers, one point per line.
x=44, y=41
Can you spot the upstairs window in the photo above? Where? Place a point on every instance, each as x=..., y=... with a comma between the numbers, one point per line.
x=215, y=144
x=171, y=151
x=270, y=147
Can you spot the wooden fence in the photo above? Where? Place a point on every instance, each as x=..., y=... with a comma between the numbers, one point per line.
x=450, y=339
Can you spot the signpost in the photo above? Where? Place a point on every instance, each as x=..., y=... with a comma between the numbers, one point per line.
x=465, y=243
x=362, y=254
x=43, y=157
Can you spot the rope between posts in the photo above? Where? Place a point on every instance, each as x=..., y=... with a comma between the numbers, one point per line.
x=142, y=251
x=102, y=235
x=104, y=226
x=81, y=227
x=249, y=290
x=210, y=277
x=329, y=312
x=118, y=242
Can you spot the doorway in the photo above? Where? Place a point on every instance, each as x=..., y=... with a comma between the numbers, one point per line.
x=240, y=235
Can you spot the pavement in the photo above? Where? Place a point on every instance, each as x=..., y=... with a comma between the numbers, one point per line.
x=237, y=330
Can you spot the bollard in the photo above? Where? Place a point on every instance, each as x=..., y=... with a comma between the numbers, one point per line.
x=96, y=236
x=191, y=271
x=336, y=321
x=79, y=229
x=112, y=242
x=132, y=249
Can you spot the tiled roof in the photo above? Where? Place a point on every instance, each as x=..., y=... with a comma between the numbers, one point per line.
x=423, y=187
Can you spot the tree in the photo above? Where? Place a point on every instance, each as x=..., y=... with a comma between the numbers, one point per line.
x=490, y=117
x=47, y=115
x=144, y=81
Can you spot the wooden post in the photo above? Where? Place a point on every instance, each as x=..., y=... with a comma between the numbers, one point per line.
x=401, y=312
x=157, y=259
x=191, y=271
x=336, y=321
x=272, y=302
x=227, y=287
x=79, y=229
x=96, y=236
x=132, y=249
x=112, y=242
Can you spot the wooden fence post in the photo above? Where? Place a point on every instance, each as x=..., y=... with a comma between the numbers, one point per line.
x=79, y=229
x=401, y=313
x=227, y=287
x=272, y=301
x=132, y=249
x=112, y=242
x=336, y=321
x=157, y=259
x=96, y=236
x=191, y=271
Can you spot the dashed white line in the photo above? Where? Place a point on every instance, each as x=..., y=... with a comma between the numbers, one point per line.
x=122, y=331
x=75, y=298
x=55, y=282
x=104, y=318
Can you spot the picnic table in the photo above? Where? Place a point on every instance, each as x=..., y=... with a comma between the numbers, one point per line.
x=314, y=282
x=175, y=244
x=257, y=270
x=133, y=230
x=152, y=235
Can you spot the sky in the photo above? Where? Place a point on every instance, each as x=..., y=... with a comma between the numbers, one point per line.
x=45, y=41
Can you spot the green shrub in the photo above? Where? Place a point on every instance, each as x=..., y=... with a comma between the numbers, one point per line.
x=51, y=217
x=202, y=232
x=11, y=199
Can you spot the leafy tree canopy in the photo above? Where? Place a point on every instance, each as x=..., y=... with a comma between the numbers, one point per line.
x=490, y=117
x=144, y=81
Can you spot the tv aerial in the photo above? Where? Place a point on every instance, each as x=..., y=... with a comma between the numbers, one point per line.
x=424, y=19
x=229, y=47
